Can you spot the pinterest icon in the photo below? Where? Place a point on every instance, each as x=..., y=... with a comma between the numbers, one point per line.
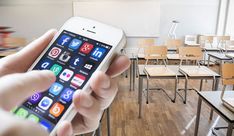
x=54, y=52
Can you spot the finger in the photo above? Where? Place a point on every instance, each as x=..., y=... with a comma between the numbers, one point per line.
x=65, y=129
x=103, y=88
x=119, y=65
x=89, y=112
x=27, y=55
x=14, y=126
x=16, y=88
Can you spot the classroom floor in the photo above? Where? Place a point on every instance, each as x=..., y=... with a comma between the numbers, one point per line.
x=160, y=117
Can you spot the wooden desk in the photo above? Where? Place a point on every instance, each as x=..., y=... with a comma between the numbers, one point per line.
x=230, y=55
x=143, y=75
x=173, y=57
x=212, y=99
x=200, y=73
x=219, y=56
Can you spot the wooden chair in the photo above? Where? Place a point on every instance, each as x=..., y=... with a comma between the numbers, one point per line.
x=227, y=79
x=191, y=54
x=190, y=40
x=14, y=42
x=203, y=40
x=222, y=42
x=174, y=43
x=142, y=43
x=155, y=53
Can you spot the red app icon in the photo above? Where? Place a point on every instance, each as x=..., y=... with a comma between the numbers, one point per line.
x=54, y=52
x=56, y=109
x=78, y=80
x=86, y=48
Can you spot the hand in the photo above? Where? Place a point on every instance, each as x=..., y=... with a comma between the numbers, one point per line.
x=89, y=106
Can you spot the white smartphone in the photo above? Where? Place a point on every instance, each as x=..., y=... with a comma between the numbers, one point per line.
x=81, y=47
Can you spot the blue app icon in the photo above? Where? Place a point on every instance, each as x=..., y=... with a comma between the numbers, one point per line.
x=77, y=61
x=45, y=103
x=64, y=40
x=67, y=95
x=98, y=52
x=46, y=64
x=75, y=44
x=56, y=88
x=46, y=125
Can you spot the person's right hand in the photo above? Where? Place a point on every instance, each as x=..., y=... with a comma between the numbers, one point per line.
x=14, y=90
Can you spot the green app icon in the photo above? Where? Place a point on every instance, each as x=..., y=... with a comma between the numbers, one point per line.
x=22, y=113
x=56, y=69
x=33, y=118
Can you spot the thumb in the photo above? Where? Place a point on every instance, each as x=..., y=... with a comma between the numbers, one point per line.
x=16, y=88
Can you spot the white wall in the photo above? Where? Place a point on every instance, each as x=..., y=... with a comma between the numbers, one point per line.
x=230, y=20
x=30, y=18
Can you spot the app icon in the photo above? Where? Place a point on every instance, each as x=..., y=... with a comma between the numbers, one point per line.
x=56, y=69
x=56, y=88
x=98, y=53
x=86, y=48
x=22, y=113
x=45, y=125
x=66, y=74
x=54, y=52
x=64, y=39
x=88, y=66
x=67, y=95
x=46, y=64
x=33, y=118
x=35, y=98
x=78, y=80
x=77, y=61
x=56, y=109
x=65, y=56
x=75, y=44
x=45, y=103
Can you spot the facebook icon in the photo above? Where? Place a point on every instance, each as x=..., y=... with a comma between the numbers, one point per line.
x=64, y=39
x=98, y=53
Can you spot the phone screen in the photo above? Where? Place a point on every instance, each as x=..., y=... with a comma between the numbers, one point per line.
x=73, y=59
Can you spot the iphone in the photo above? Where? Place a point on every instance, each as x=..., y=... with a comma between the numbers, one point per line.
x=81, y=47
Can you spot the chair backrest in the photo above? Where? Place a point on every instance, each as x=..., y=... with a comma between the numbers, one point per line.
x=155, y=52
x=14, y=42
x=174, y=43
x=228, y=74
x=146, y=42
x=230, y=44
x=142, y=43
x=206, y=39
x=190, y=39
x=190, y=53
x=222, y=41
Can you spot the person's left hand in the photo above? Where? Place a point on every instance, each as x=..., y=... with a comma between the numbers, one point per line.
x=89, y=106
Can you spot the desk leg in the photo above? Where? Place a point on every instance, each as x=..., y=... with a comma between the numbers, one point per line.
x=229, y=130
x=131, y=69
x=108, y=121
x=213, y=89
x=140, y=95
x=134, y=74
x=175, y=91
x=185, y=91
x=201, y=85
x=208, y=63
x=198, y=116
